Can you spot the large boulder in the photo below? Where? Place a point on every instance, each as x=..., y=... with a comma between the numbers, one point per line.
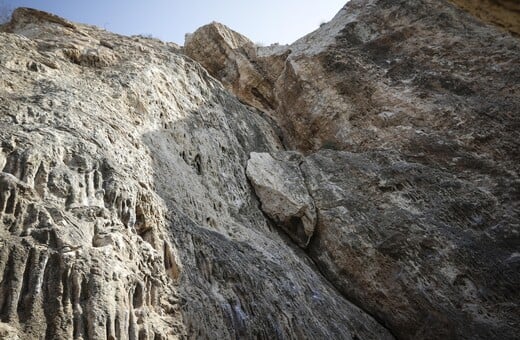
x=281, y=188
x=234, y=60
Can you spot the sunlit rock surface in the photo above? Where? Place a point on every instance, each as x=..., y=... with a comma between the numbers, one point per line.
x=363, y=183
x=408, y=112
x=125, y=211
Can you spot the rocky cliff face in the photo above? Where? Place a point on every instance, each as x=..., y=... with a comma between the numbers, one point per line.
x=139, y=199
x=406, y=113
x=125, y=208
x=502, y=13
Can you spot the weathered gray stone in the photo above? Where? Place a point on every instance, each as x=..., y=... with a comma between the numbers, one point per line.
x=420, y=249
x=281, y=188
x=407, y=111
x=125, y=210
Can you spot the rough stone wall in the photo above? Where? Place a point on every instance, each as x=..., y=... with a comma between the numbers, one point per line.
x=407, y=113
x=503, y=13
x=125, y=211
x=139, y=199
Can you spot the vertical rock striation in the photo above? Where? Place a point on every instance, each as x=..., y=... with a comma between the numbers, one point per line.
x=139, y=199
x=125, y=211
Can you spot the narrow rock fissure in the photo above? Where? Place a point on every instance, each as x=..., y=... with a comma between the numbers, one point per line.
x=315, y=266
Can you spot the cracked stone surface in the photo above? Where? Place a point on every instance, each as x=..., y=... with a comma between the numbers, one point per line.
x=125, y=210
x=361, y=183
x=407, y=114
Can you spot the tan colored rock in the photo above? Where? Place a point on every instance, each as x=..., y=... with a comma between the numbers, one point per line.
x=281, y=188
x=125, y=205
x=408, y=114
x=125, y=210
x=8, y=332
x=503, y=13
x=237, y=63
x=359, y=80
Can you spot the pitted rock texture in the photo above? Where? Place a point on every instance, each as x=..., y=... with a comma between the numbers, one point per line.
x=408, y=112
x=503, y=13
x=128, y=209
x=282, y=190
x=125, y=211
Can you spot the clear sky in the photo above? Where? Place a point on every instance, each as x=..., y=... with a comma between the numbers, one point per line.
x=263, y=21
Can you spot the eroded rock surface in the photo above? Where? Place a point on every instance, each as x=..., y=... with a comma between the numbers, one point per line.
x=132, y=183
x=125, y=211
x=504, y=13
x=379, y=72
x=408, y=112
x=235, y=61
x=416, y=246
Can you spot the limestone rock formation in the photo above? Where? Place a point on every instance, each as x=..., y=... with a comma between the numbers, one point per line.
x=378, y=67
x=417, y=247
x=125, y=211
x=430, y=254
x=408, y=112
x=280, y=185
x=363, y=183
x=235, y=61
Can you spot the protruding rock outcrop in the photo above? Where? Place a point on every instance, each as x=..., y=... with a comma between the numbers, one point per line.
x=281, y=187
x=400, y=239
x=377, y=67
x=237, y=63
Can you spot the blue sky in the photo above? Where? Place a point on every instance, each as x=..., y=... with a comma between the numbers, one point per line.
x=264, y=21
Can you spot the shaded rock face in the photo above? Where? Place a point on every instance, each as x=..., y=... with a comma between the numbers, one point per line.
x=415, y=246
x=407, y=113
x=503, y=13
x=420, y=249
x=125, y=210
